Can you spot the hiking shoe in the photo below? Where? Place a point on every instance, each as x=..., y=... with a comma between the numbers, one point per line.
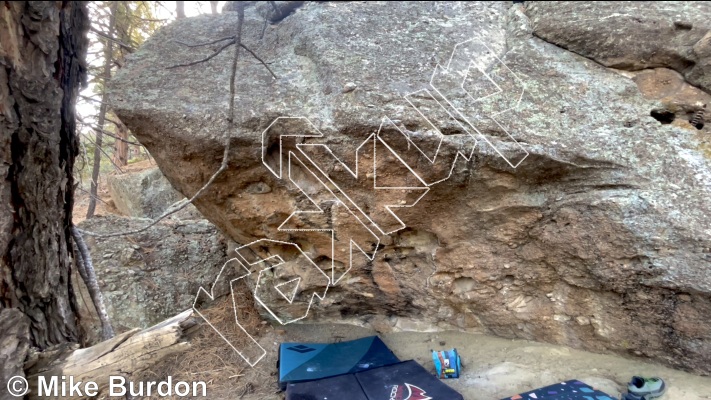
x=645, y=388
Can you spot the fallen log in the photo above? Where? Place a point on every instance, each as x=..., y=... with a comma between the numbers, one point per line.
x=128, y=354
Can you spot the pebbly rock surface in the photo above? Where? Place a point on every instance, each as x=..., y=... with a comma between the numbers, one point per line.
x=148, y=277
x=599, y=238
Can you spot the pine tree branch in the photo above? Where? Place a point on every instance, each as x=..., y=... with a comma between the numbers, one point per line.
x=96, y=128
x=104, y=153
x=218, y=51
x=109, y=134
x=87, y=98
x=89, y=193
x=260, y=60
x=107, y=37
x=88, y=275
x=206, y=43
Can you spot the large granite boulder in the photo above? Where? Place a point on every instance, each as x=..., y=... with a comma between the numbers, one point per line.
x=631, y=34
x=599, y=238
x=146, y=194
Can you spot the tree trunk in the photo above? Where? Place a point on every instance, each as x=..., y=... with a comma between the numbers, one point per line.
x=121, y=146
x=213, y=7
x=42, y=50
x=14, y=347
x=180, y=9
x=108, y=58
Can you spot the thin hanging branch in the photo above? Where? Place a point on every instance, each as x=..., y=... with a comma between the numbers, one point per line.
x=260, y=60
x=87, y=98
x=93, y=127
x=96, y=128
x=118, y=42
x=113, y=121
x=107, y=133
x=104, y=153
x=225, y=155
x=206, y=43
x=89, y=193
x=88, y=275
x=218, y=51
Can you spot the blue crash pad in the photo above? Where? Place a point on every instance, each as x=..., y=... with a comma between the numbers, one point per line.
x=300, y=362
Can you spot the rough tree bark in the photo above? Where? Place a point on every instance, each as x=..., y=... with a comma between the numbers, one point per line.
x=96, y=169
x=121, y=146
x=42, y=51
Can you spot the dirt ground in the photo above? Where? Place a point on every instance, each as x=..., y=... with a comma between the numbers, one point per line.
x=494, y=368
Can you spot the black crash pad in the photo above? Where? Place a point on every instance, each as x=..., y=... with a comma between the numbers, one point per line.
x=335, y=388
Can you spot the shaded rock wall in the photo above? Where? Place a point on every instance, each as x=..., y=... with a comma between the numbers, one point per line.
x=598, y=239
x=151, y=276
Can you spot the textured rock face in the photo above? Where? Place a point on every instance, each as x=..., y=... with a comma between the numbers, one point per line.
x=146, y=194
x=151, y=276
x=599, y=238
x=632, y=35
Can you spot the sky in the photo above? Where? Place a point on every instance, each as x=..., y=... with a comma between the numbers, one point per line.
x=192, y=8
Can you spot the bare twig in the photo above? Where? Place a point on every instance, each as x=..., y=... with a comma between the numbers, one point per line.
x=260, y=60
x=113, y=121
x=84, y=158
x=104, y=153
x=92, y=99
x=107, y=133
x=89, y=193
x=238, y=40
x=118, y=42
x=149, y=19
x=118, y=138
x=160, y=3
x=87, y=273
x=206, y=43
x=218, y=51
